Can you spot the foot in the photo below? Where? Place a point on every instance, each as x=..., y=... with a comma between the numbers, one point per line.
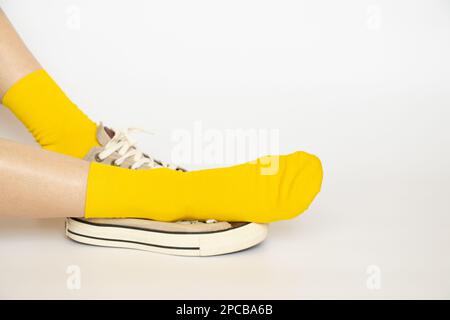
x=184, y=237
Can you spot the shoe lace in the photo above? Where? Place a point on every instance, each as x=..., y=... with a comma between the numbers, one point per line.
x=125, y=146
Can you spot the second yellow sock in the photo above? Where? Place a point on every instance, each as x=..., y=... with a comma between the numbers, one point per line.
x=255, y=191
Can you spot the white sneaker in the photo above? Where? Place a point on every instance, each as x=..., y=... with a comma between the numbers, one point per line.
x=187, y=238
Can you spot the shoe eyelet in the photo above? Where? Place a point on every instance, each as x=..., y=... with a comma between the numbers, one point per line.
x=97, y=157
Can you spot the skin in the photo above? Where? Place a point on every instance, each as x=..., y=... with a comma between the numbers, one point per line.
x=16, y=61
x=41, y=184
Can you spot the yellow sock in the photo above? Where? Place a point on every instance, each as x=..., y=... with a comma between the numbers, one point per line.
x=55, y=122
x=269, y=189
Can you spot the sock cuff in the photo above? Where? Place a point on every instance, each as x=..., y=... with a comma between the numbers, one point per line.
x=32, y=84
x=55, y=122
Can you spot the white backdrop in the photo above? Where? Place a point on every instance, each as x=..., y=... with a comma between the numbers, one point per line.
x=363, y=84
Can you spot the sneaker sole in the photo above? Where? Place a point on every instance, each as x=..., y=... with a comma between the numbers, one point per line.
x=198, y=244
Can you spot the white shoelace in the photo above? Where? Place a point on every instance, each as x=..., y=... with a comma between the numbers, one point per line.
x=126, y=148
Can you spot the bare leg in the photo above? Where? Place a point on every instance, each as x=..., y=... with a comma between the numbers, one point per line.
x=38, y=183
x=16, y=61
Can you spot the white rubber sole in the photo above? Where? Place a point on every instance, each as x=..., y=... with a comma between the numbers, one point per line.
x=173, y=243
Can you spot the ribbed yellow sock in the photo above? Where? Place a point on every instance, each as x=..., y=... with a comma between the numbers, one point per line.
x=269, y=189
x=55, y=122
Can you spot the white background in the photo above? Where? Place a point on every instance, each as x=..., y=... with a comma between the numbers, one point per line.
x=363, y=84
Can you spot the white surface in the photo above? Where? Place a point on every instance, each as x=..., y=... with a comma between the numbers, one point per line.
x=363, y=84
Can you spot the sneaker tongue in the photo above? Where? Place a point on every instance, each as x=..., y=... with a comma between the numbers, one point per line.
x=104, y=134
